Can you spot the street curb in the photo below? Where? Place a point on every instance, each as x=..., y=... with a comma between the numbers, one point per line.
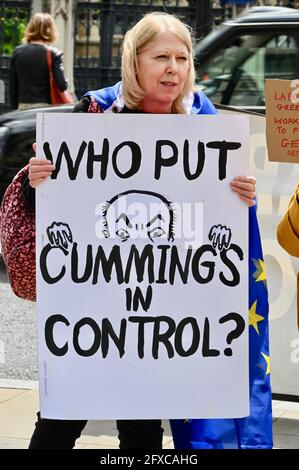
x=22, y=384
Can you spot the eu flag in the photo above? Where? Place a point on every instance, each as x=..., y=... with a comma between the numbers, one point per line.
x=254, y=431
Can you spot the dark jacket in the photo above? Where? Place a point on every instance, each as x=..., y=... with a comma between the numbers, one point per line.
x=29, y=74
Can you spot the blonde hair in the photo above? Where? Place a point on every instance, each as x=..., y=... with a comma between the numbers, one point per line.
x=41, y=27
x=136, y=39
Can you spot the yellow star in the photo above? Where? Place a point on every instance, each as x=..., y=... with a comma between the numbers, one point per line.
x=267, y=359
x=260, y=273
x=254, y=317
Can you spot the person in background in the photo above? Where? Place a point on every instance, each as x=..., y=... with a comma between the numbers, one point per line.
x=29, y=84
x=288, y=228
x=157, y=77
x=288, y=234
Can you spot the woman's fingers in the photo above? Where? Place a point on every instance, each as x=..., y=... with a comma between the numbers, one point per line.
x=39, y=174
x=37, y=182
x=243, y=192
x=38, y=161
x=39, y=171
x=245, y=187
x=250, y=179
x=249, y=202
x=244, y=182
x=48, y=167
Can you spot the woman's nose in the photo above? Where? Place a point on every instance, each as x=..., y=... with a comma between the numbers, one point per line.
x=172, y=65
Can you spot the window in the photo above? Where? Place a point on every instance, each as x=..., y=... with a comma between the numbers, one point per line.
x=236, y=74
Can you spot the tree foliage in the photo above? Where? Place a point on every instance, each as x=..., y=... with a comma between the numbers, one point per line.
x=13, y=22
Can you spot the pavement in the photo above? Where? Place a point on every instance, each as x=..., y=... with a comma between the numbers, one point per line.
x=19, y=404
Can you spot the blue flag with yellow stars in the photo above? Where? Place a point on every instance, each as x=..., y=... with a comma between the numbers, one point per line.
x=254, y=431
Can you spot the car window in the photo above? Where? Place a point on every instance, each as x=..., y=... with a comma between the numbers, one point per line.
x=235, y=75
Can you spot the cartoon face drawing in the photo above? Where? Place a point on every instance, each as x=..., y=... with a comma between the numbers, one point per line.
x=138, y=214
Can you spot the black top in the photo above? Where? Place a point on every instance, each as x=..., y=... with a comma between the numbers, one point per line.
x=29, y=74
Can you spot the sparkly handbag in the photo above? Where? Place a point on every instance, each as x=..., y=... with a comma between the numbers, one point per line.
x=17, y=237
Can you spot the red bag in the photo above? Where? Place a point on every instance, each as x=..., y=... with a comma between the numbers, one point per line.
x=57, y=96
x=17, y=237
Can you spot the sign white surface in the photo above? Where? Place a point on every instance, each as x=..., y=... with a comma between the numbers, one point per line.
x=142, y=267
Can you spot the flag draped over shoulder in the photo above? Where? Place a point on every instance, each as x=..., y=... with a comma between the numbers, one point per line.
x=255, y=431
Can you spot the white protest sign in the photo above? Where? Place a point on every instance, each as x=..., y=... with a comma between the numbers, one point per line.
x=142, y=269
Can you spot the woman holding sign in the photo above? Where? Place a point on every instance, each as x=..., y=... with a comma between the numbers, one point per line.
x=157, y=77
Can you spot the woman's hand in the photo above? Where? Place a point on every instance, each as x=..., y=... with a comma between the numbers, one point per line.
x=39, y=170
x=244, y=186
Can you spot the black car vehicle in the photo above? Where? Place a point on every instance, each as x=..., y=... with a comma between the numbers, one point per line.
x=17, y=134
x=234, y=61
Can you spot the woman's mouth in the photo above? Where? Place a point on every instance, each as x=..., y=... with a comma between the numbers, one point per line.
x=170, y=84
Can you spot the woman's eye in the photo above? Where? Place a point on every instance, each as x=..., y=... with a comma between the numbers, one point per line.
x=156, y=232
x=123, y=234
x=162, y=57
x=182, y=59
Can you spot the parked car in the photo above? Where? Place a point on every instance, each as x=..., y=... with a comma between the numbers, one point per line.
x=17, y=133
x=233, y=61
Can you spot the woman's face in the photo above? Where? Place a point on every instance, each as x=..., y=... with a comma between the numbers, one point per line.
x=163, y=68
